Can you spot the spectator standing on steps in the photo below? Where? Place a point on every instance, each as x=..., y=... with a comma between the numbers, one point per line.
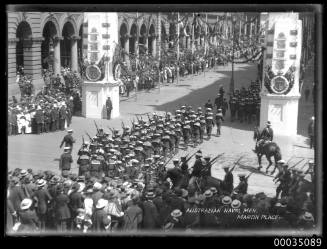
x=311, y=132
x=109, y=108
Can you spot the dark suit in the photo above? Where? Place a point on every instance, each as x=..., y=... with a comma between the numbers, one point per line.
x=16, y=196
x=43, y=197
x=39, y=119
x=29, y=221
x=76, y=202
x=68, y=140
x=132, y=217
x=62, y=211
x=100, y=220
x=228, y=182
x=150, y=215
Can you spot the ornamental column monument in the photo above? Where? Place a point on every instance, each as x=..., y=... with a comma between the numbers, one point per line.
x=281, y=67
x=101, y=39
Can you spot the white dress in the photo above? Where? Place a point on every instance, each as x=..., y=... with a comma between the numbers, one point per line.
x=20, y=122
x=28, y=123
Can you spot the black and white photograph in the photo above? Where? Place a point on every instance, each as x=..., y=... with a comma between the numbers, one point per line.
x=171, y=120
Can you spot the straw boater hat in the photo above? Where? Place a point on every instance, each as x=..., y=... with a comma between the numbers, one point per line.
x=281, y=162
x=213, y=190
x=149, y=195
x=25, y=204
x=97, y=185
x=176, y=213
x=101, y=203
x=308, y=216
x=41, y=183
x=226, y=200
x=236, y=204
x=23, y=173
x=268, y=123
x=208, y=193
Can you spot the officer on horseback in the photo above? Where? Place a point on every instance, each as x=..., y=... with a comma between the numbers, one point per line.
x=266, y=135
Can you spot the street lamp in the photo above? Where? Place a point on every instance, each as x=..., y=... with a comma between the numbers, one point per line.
x=231, y=90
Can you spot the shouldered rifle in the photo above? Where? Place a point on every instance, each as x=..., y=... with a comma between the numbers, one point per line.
x=123, y=125
x=111, y=130
x=96, y=126
x=235, y=164
x=138, y=120
x=247, y=177
x=168, y=161
x=83, y=139
x=215, y=159
x=148, y=116
x=89, y=136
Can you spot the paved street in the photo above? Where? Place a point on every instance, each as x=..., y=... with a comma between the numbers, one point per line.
x=43, y=152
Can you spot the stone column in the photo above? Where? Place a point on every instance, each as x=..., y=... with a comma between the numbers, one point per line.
x=154, y=45
x=126, y=48
x=12, y=67
x=56, y=59
x=74, y=54
x=32, y=60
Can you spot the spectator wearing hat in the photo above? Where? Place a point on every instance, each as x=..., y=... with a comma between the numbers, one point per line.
x=62, y=212
x=65, y=161
x=42, y=199
x=150, y=213
x=191, y=218
x=97, y=193
x=100, y=219
x=175, y=221
x=16, y=193
x=28, y=218
x=208, y=104
x=133, y=216
x=76, y=199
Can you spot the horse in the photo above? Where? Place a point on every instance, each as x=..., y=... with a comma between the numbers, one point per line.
x=269, y=149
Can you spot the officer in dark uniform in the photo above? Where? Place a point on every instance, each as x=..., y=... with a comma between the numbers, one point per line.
x=68, y=140
x=196, y=133
x=208, y=104
x=242, y=187
x=228, y=183
x=186, y=134
x=266, y=135
x=232, y=107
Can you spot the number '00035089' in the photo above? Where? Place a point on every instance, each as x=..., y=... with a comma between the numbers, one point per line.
x=297, y=242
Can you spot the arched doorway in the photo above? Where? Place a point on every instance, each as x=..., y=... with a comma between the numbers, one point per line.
x=123, y=40
x=142, y=40
x=47, y=46
x=132, y=39
x=151, y=40
x=65, y=45
x=172, y=35
x=163, y=36
x=23, y=33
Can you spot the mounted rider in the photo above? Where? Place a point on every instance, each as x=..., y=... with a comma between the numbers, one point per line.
x=266, y=136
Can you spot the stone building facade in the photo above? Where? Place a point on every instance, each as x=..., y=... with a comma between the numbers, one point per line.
x=38, y=40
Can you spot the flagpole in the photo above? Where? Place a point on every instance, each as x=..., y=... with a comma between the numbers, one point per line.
x=177, y=47
x=193, y=41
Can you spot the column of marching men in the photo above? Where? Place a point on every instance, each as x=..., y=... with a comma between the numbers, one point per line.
x=123, y=184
